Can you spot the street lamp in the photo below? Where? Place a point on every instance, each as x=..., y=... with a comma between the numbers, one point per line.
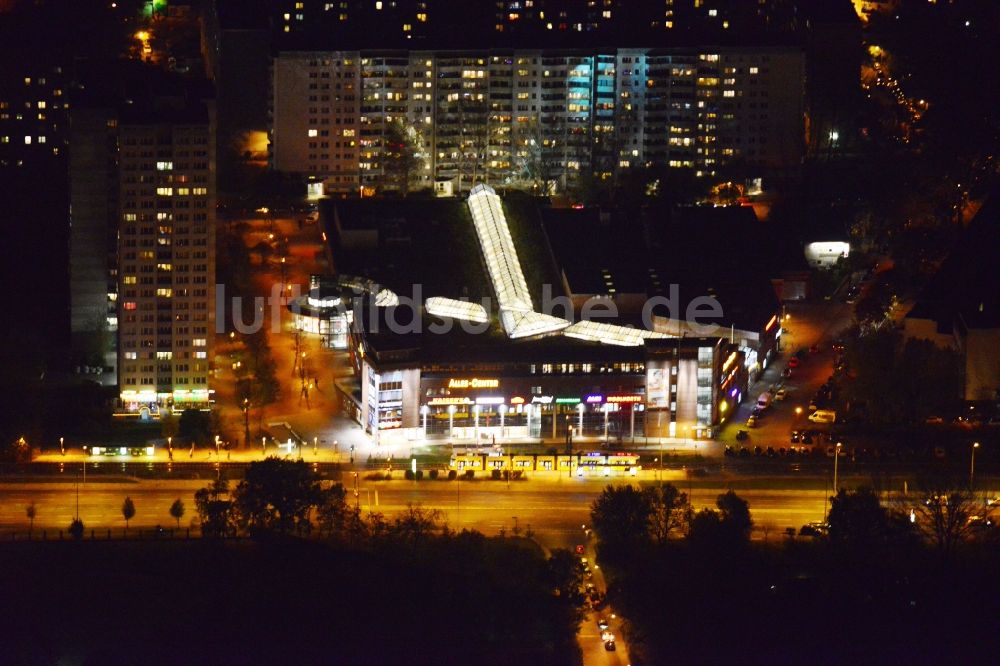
x=972, y=465
x=836, y=457
x=246, y=421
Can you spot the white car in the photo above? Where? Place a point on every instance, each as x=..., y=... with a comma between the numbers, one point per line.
x=781, y=394
x=823, y=416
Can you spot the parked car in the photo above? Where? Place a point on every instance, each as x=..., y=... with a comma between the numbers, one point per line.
x=823, y=416
x=752, y=422
x=793, y=362
x=741, y=435
x=814, y=529
x=781, y=394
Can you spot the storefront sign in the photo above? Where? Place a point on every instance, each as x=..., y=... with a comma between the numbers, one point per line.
x=517, y=400
x=567, y=401
x=625, y=398
x=490, y=400
x=474, y=383
x=542, y=399
x=595, y=398
x=450, y=401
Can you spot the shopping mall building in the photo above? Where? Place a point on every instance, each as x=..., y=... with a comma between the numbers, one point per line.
x=503, y=369
x=478, y=387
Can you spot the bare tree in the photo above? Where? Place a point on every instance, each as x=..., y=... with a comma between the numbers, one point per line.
x=671, y=512
x=30, y=512
x=128, y=511
x=177, y=511
x=941, y=512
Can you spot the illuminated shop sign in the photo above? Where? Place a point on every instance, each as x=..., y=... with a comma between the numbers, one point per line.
x=542, y=399
x=490, y=400
x=474, y=383
x=517, y=400
x=450, y=401
x=595, y=398
x=623, y=398
x=567, y=401
x=771, y=323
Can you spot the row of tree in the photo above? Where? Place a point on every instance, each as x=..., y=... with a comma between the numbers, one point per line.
x=894, y=572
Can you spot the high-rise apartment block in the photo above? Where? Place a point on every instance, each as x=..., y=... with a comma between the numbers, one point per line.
x=542, y=117
x=166, y=258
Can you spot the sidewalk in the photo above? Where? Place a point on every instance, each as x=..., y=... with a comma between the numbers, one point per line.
x=201, y=455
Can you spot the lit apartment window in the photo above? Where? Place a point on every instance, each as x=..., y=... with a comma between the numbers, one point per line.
x=754, y=70
x=201, y=354
x=198, y=342
x=200, y=191
x=164, y=166
x=313, y=133
x=165, y=191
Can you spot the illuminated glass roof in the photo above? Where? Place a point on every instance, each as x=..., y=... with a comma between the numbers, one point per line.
x=386, y=298
x=611, y=334
x=454, y=309
x=498, y=250
x=516, y=310
x=526, y=324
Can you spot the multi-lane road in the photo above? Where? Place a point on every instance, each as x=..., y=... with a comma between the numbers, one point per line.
x=554, y=509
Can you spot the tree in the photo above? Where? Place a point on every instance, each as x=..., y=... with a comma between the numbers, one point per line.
x=415, y=525
x=902, y=382
x=169, y=424
x=214, y=512
x=857, y=518
x=30, y=512
x=76, y=529
x=621, y=518
x=706, y=530
x=725, y=529
x=177, y=511
x=401, y=152
x=942, y=511
x=670, y=512
x=276, y=495
x=735, y=513
x=860, y=524
x=565, y=576
x=128, y=511
x=195, y=426
x=332, y=511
